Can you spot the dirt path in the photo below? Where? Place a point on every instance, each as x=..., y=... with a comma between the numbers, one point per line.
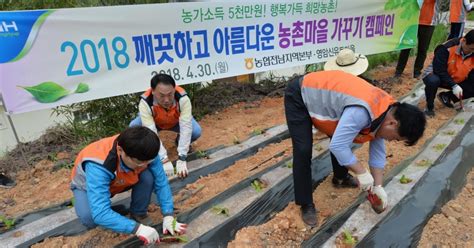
x=454, y=226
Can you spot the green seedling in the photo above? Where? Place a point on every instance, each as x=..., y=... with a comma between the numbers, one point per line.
x=459, y=121
x=348, y=238
x=318, y=147
x=405, y=180
x=236, y=140
x=220, y=210
x=257, y=131
x=289, y=164
x=450, y=133
x=258, y=185
x=424, y=162
x=6, y=222
x=52, y=157
x=201, y=154
x=172, y=239
x=439, y=147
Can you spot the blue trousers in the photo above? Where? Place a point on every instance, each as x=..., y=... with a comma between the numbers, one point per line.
x=141, y=195
x=196, y=133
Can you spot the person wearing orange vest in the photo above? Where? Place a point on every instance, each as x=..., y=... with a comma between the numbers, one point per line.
x=457, y=16
x=348, y=109
x=451, y=69
x=166, y=106
x=116, y=164
x=426, y=26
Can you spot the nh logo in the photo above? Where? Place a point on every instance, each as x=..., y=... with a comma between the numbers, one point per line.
x=8, y=27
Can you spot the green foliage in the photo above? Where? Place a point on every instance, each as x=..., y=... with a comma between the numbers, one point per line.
x=439, y=147
x=405, y=180
x=257, y=131
x=258, y=185
x=8, y=223
x=424, y=162
x=318, y=147
x=220, y=210
x=56, y=4
x=46, y=92
x=440, y=34
x=459, y=121
x=348, y=238
x=201, y=154
x=289, y=164
x=52, y=157
x=411, y=7
x=450, y=132
x=171, y=238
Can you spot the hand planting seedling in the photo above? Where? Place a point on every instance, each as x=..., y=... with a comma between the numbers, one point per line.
x=439, y=147
x=405, y=180
x=424, y=162
x=220, y=210
x=459, y=121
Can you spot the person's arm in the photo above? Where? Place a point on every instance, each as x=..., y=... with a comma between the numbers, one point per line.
x=377, y=159
x=148, y=121
x=162, y=187
x=468, y=5
x=440, y=65
x=185, y=125
x=352, y=121
x=98, y=194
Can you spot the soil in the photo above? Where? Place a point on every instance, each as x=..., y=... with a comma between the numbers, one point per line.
x=225, y=127
x=454, y=226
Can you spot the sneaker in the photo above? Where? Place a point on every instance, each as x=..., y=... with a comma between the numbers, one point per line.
x=6, y=182
x=142, y=219
x=348, y=182
x=444, y=98
x=308, y=213
x=429, y=113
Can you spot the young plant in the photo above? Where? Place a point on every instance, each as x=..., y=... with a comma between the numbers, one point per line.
x=459, y=121
x=220, y=210
x=405, y=180
x=6, y=222
x=257, y=131
x=201, y=154
x=289, y=164
x=450, y=132
x=236, y=140
x=173, y=239
x=318, y=147
x=348, y=238
x=258, y=185
x=439, y=147
x=424, y=162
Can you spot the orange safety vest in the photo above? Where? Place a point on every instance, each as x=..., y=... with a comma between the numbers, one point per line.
x=427, y=13
x=457, y=12
x=165, y=118
x=104, y=152
x=327, y=93
x=459, y=68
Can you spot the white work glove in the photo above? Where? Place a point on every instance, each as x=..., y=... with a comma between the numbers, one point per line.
x=169, y=169
x=181, y=168
x=380, y=193
x=457, y=91
x=147, y=234
x=366, y=181
x=168, y=227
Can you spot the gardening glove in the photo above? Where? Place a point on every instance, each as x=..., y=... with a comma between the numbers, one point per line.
x=378, y=199
x=366, y=181
x=147, y=234
x=170, y=225
x=169, y=170
x=457, y=91
x=181, y=168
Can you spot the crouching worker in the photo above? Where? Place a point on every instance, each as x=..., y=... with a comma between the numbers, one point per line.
x=348, y=109
x=166, y=106
x=116, y=164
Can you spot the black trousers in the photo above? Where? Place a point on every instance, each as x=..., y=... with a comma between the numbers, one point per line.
x=425, y=32
x=456, y=30
x=300, y=128
x=433, y=82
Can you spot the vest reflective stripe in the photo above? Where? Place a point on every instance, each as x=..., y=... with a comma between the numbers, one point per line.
x=97, y=152
x=326, y=94
x=165, y=119
x=428, y=12
x=458, y=68
x=457, y=12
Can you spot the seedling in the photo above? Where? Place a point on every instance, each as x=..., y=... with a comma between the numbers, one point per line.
x=258, y=185
x=201, y=154
x=459, y=121
x=236, y=140
x=289, y=164
x=52, y=157
x=6, y=222
x=439, y=147
x=348, y=238
x=450, y=133
x=424, y=162
x=257, y=131
x=318, y=147
x=220, y=210
x=172, y=239
x=405, y=180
